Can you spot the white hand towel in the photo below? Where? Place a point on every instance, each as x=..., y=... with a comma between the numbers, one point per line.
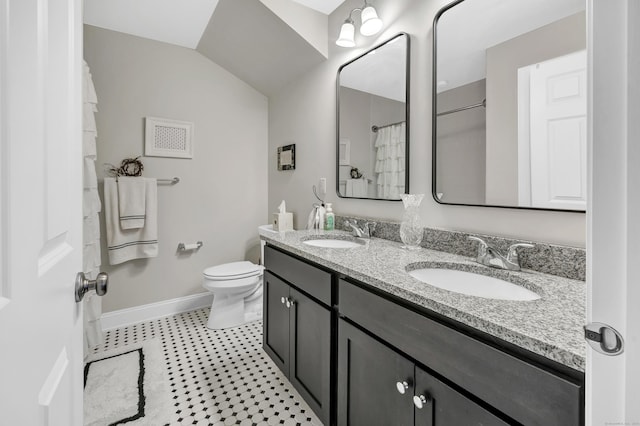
x=349, y=188
x=127, y=244
x=357, y=188
x=131, y=202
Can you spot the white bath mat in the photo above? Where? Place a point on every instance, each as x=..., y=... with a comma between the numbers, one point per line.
x=126, y=386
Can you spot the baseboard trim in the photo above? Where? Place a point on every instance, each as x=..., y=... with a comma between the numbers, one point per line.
x=129, y=316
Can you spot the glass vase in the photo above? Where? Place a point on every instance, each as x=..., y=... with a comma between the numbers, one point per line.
x=411, y=227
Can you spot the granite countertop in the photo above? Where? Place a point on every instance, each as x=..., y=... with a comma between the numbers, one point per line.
x=550, y=326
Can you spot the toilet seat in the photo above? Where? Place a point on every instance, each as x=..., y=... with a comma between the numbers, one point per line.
x=238, y=286
x=233, y=271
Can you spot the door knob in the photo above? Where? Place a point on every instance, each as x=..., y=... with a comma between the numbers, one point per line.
x=83, y=285
x=283, y=300
x=604, y=339
x=420, y=400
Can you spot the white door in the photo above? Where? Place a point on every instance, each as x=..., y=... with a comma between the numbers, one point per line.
x=558, y=96
x=613, y=219
x=40, y=204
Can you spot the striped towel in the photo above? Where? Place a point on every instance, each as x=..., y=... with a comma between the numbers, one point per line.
x=128, y=244
x=131, y=201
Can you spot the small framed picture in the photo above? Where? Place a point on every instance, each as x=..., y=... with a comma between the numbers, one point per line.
x=287, y=157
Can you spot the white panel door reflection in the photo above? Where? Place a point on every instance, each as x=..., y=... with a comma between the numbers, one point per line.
x=553, y=133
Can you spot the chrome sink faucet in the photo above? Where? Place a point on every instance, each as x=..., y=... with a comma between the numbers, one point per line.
x=364, y=232
x=490, y=256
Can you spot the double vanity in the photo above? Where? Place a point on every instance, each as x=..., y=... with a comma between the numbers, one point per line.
x=370, y=333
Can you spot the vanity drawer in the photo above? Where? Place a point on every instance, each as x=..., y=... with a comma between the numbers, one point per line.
x=525, y=392
x=308, y=278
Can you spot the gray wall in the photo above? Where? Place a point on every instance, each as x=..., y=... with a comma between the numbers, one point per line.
x=503, y=60
x=221, y=198
x=461, y=145
x=355, y=116
x=304, y=113
x=358, y=112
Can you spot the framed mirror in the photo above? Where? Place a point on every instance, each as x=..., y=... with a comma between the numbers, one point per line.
x=372, y=141
x=509, y=104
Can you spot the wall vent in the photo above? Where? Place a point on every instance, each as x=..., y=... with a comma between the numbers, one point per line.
x=168, y=138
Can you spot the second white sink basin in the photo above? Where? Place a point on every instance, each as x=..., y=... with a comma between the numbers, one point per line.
x=473, y=284
x=332, y=243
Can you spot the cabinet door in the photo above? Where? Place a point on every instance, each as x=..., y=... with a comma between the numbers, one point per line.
x=368, y=374
x=310, y=352
x=443, y=406
x=276, y=321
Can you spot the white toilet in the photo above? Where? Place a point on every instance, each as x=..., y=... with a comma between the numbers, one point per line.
x=237, y=293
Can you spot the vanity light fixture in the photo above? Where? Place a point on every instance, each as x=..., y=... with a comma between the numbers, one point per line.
x=370, y=25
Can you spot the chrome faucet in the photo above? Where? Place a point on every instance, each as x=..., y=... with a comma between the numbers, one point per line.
x=490, y=256
x=364, y=232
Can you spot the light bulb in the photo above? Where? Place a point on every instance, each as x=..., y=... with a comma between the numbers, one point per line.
x=347, y=35
x=371, y=24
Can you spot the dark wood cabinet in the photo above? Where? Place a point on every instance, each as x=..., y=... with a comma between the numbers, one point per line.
x=437, y=404
x=367, y=375
x=276, y=320
x=360, y=357
x=297, y=337
x=378, y=386
x=310, y=352
x=518, y=389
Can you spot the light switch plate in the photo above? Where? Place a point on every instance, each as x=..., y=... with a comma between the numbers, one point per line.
x=323, y=185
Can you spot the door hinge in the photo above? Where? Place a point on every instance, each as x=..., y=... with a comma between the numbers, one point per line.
x=604, y=338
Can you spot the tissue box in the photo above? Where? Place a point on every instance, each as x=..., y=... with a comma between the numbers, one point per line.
x=283, y=222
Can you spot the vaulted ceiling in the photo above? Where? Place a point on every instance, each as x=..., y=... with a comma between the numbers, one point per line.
x=266, y=43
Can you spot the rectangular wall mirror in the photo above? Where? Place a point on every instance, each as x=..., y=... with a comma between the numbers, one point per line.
x=372, y=146
x=510, y=104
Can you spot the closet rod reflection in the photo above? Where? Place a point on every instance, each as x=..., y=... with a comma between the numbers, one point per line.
x=375, y=128
x=451, y=111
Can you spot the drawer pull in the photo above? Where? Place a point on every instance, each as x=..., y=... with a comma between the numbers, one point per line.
x=421, y=400
x=402, y=387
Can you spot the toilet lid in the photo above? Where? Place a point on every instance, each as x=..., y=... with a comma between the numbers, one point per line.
x=234, y=270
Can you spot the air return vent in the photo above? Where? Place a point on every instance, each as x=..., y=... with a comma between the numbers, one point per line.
x=168, y=138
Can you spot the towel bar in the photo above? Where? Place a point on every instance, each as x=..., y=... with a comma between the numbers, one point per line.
x=172, y=181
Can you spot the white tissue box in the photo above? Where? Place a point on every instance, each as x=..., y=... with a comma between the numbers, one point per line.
x=283, y=222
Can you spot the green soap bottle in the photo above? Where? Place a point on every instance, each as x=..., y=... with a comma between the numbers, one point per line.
x=329, y=219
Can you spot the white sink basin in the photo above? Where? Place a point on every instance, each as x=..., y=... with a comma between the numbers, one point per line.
x=332, y=243
x=473, y=284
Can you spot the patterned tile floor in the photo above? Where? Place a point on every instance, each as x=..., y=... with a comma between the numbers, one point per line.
x=220, y=377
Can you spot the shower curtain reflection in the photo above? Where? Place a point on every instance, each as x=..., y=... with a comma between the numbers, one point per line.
x=390, y=161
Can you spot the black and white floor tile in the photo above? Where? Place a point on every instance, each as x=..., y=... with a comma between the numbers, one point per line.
x=220, y=377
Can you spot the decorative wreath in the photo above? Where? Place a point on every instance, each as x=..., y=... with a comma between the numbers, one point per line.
x=355, y=173
x=128, y=167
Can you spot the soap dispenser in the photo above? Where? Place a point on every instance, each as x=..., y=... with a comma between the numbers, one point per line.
x=329, y=219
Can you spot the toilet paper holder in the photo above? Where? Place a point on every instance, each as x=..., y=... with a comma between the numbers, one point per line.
x=194, y=246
